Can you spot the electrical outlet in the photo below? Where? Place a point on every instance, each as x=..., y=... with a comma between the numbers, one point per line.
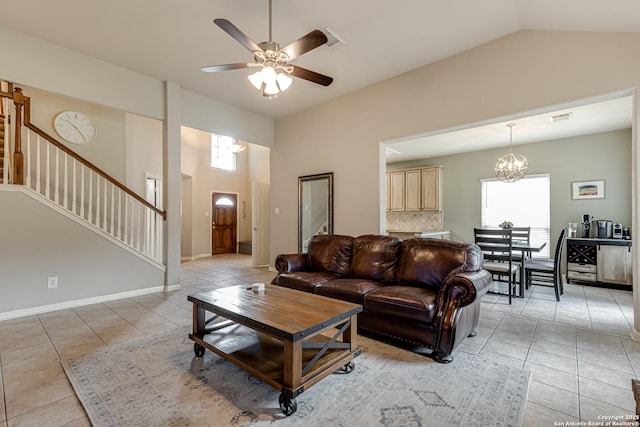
x=52, y=282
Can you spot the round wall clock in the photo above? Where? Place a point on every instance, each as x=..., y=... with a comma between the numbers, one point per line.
x=74, y=127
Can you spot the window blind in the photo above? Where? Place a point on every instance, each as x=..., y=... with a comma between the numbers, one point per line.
x=526, y=203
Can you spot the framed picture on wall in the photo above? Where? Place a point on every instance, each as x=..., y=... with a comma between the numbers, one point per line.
x=585, y=190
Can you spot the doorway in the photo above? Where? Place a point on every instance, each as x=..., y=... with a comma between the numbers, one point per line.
x=224, y=223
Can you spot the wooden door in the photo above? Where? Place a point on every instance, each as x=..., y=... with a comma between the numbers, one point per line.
x=224, y=223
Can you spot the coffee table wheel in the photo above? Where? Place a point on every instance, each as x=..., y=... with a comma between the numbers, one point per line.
x=198, y=349
x=288, y=405
x=345, y=369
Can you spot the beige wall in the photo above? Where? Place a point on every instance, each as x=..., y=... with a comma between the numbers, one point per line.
x=106, y=150
x=143, y=145
x=205, y=180
x=521, y=72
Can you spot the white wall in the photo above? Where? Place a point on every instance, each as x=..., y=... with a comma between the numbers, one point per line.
x=521, y=72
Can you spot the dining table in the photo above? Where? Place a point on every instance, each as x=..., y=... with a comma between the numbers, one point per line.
x=525, y=249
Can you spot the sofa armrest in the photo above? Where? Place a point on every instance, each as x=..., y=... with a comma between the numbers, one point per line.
x=462, y=289
x=292, y=262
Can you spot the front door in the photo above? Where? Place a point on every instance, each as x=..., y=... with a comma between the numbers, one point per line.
x=224, y=223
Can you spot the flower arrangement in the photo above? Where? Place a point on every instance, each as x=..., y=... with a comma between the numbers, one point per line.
x=506, y=225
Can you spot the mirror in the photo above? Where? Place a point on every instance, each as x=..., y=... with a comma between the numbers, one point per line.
x=315, y=207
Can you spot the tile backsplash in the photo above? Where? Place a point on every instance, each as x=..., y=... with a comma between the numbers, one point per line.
x=414, y=221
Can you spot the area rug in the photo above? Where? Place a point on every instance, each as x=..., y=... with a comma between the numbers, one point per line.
x=158, y=381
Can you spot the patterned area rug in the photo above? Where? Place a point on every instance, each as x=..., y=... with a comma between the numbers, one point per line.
x=157, y=381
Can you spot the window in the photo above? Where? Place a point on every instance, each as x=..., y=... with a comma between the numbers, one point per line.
x=224, y=201
x=526, y=203
x=221, y=155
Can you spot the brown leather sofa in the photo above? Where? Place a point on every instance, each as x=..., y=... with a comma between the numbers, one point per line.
x=422, y=291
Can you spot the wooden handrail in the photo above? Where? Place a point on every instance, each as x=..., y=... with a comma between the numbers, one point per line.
x=24, y=101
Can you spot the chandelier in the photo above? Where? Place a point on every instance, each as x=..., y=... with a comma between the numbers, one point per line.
x=236, y=147
x=511, y=167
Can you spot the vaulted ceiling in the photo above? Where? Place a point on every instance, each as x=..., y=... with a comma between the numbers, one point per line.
x=169, y=40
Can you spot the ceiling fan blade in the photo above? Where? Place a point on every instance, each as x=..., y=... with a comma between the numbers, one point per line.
x=234, y=32
x=304, y=44
x=312, y=76
x=225, y=67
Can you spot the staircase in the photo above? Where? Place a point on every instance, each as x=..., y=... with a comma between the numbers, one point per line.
x=66, y=181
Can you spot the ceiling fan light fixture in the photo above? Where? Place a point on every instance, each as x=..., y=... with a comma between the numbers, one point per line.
x=256, y=79
x=269, y=81
x=270, y=88
x=283, y=81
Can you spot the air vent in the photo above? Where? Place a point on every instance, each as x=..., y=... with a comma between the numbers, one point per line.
x=561, y=117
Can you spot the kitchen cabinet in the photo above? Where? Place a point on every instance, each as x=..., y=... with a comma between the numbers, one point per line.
x=396, y=194
x=412, y=190
x=614, y=264
x=388, y=191
x=431, y=188
x=604, y=261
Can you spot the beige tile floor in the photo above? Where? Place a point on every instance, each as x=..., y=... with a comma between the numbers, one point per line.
x=578, y=350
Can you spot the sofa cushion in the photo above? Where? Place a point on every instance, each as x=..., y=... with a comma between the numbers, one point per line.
x=303, y=280
x=374, y=257
x=403, y=301
x=352, y=290
x=330, y=252
x=429, y=261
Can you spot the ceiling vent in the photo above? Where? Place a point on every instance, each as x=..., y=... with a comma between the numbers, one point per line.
x=561, y=117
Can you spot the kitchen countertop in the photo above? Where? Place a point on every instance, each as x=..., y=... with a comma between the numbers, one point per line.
x=446, y=234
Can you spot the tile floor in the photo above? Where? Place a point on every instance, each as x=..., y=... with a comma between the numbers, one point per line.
x=578, y=350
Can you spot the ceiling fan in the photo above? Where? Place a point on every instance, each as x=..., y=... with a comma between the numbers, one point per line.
x=272, y=59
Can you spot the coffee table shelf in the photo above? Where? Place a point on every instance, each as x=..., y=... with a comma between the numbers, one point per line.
x=289, y=339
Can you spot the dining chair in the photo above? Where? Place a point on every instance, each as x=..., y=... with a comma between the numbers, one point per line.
x=496, y=246
x=521, y=234
x=545, y=271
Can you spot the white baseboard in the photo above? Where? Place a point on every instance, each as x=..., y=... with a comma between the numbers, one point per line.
x=85, y=301
x=635, y=335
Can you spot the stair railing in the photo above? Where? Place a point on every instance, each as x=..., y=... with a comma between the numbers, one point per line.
x=76, y=185
x=6, y=94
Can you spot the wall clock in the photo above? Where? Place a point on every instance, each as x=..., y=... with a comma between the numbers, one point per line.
x=74, y=127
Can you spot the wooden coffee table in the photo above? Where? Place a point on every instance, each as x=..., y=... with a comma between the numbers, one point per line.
x=282, y=336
